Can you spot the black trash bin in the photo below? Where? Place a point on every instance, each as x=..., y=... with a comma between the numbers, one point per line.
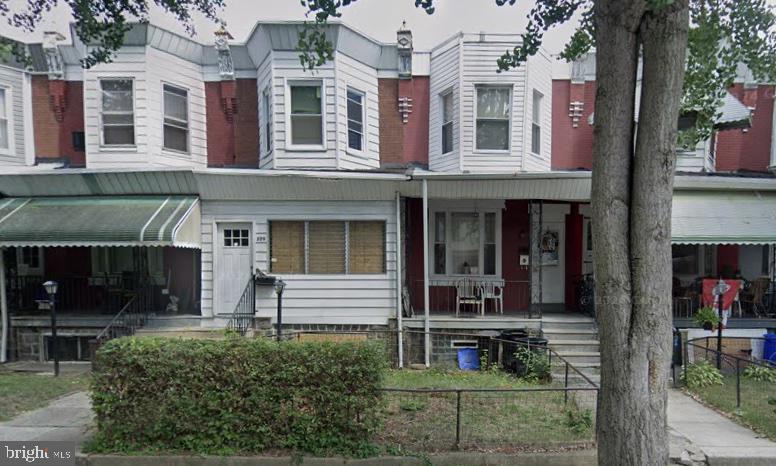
x=514, y=340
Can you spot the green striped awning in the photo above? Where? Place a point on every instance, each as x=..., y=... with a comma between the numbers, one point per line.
x=100, y=221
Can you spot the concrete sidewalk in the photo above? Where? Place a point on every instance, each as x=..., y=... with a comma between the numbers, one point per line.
x=722, y=441
x=65, y=419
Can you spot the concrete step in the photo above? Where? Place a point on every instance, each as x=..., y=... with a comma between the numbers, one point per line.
x=574, y=345
x=569, y=325
x=570, y=334
x=580, y=357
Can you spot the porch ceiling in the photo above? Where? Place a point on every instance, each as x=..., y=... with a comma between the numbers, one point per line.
x=705, y=217
x=100, y=221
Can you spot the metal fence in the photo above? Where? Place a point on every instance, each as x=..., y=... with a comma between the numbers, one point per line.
x=746, y=387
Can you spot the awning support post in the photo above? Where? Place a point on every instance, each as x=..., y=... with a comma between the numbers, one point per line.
x=426, y=324
x=399, y=324
x=3, y=309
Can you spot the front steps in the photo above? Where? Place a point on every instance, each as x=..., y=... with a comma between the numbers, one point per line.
x=574, y=337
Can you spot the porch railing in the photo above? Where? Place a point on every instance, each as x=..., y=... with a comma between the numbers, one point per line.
x=245, y=310
x=103, y=293
x=132, y=316
x=516, y=297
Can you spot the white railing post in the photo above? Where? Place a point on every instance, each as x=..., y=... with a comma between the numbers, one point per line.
x=426, y=326
x=400, y=343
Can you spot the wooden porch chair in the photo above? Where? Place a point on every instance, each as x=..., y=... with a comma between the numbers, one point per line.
x=495, y=292
x=468, y=291
x=754, y=298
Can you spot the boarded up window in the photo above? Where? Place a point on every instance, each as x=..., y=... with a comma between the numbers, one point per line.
x=287, y=247
x=326, y=252
x=366, y=252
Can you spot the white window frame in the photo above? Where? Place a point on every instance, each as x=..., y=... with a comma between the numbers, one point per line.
x=11, y=149
x=347, y=221
x=448, y=250
x=510, y=89
x=451, y=122
x=266, y=127
x=363, y=121
x=188, y=118
x=536, y=122
x=134, y=113
x=289, y=137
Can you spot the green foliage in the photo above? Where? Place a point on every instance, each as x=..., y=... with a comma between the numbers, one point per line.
x=578, y=421
x=103, y=23
x=705, y=315
x=760, y=373
x=237, y=395
x=700, y=375
x=537, y=366
x=412, y=405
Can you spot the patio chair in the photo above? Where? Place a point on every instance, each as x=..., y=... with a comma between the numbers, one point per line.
x=494, y=292
x=468, y=291
x=754, y=298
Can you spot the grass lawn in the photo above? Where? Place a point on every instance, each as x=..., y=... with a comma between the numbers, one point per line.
x=755, y=411
x=26, y=391
x=493, y=420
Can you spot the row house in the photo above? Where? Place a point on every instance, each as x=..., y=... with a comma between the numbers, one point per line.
x=388, y=188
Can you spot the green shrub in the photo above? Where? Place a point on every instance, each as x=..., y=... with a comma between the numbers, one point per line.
x=236, y=395
x=700, y=375
x=760, y=373
x=537, y=366
x=706, y=314
x=579, y=421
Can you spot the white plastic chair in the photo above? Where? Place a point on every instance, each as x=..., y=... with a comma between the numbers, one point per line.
x=468, y=291
x=495, y=292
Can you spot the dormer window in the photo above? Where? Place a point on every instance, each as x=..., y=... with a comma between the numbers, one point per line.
x=306, y=114
x=493, y=116
x=118, y=116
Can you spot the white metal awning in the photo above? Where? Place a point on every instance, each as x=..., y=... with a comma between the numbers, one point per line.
x=724, y=217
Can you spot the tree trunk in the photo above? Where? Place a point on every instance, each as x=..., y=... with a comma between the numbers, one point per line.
x=631, y=201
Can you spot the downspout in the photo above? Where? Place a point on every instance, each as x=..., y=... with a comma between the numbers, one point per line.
x=426, y=326
x=399, y=281
x=3, y=309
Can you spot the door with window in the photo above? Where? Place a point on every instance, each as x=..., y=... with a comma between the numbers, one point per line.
x=234, y=264
x=29, y=261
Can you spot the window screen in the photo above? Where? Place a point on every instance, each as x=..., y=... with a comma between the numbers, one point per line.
x=176, y=119
x=493, y=109
x=306, y=116
x=118, y=118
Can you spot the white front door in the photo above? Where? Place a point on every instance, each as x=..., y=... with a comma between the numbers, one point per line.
x=234, y=265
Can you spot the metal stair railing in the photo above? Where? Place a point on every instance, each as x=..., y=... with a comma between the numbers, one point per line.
x=132, y=316
x=245, y=310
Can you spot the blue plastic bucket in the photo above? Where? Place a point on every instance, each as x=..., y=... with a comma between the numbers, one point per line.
x=468, y=360
x=769, y=349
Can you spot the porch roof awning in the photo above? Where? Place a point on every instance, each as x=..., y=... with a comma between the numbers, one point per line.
x=724, y=217
x=100, y=221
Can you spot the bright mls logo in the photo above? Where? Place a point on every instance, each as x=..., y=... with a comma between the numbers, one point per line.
x=38, y=453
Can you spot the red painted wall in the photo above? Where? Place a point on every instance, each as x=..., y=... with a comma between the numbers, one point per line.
x=749, y=150
x=57, y=111
x=574, y=243
x=232, y=123
x=572, y=148
x=727, y=259
x=67, y=262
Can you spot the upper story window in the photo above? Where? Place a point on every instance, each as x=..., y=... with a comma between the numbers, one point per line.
x=5, y=134
x=306, y=115
x=266, y=112
x=117, y=116
x=493, y=115
x=536, y=125
x=355, y=120
x=176, y=118
x=447, y=122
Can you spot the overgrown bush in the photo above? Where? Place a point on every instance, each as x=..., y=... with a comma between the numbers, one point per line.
x=701, y=374
x=760, y=373
x=579, y=421
x=536, y=365
x=236, y=395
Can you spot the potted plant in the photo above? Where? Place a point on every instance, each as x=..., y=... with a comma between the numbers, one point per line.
x=707, y=318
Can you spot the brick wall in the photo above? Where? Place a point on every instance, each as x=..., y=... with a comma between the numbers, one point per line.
x=749, y=150
x=402, y=143
x=572, y=148
x=232, y=123
x=57, y=112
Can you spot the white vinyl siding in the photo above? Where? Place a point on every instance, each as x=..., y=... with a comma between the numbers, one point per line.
x=6, y=124
x=445, y=78
x=266, y=120
x=355, y=114
x=697, y=159
x=17, y=130
x=176, y=119
x=354, y=76
x=538, y=80
x=308, y=298
x=273, y=115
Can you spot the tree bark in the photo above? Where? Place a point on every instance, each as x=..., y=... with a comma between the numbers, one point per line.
x=631, y=203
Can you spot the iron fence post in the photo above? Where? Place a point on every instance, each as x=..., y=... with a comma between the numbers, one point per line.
x=566, y=385
x=738, y=384
x=458, y=419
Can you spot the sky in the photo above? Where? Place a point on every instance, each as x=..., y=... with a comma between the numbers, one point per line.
x=379, y=19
